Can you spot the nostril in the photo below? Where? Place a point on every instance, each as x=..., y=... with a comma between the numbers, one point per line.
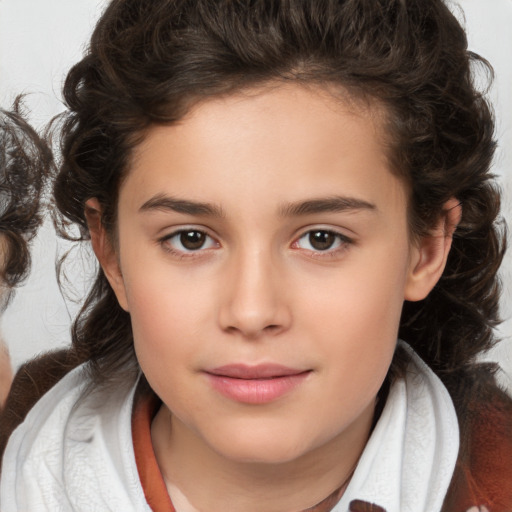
x=254, y=332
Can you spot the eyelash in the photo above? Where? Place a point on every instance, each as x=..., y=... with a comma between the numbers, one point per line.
x=165, y=242
x=341, y=240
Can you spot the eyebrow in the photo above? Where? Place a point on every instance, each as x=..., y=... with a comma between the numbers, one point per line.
x=325, y=205
x=165, y=203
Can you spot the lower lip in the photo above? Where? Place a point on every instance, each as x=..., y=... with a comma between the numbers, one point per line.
x=256, y=391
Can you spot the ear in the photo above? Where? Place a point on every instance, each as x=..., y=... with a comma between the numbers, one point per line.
x=430, y=253
x=104, y=250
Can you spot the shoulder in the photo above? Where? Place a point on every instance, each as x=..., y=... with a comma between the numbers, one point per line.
x=483, y=475
x=33, y=452
x=30, y=383
x=73, y=449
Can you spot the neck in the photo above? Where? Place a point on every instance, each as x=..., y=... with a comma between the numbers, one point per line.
x=199, y=479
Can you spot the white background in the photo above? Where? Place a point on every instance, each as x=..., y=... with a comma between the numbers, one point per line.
x=41, y=39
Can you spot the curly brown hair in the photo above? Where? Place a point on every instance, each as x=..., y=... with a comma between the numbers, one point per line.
x=25, y=162
x=149, y=61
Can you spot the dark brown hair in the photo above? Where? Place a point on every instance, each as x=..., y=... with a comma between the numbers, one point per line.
x=25, y=162
x=149, y=61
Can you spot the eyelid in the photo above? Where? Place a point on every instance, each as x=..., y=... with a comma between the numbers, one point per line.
x=344, y=241
x=184, y=253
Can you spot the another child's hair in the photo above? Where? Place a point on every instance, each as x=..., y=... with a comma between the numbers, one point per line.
x=150, y=61
x=25, y=162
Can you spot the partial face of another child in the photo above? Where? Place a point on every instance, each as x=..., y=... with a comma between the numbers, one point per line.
x=264, y=255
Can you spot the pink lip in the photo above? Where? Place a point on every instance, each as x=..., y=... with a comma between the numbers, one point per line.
x=255, y=384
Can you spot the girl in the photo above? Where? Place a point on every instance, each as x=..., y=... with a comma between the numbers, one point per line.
x=276, y=191
x=24, y=163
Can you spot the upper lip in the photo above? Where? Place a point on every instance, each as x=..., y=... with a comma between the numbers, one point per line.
x=259, y=371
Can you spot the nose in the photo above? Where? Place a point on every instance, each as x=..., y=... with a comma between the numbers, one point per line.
x=254, y=300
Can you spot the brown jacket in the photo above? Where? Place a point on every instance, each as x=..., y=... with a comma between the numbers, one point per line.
x=483, y=473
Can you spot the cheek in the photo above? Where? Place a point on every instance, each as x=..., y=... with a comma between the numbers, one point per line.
x=356, y=317
x=365, y=294
x=168, y=312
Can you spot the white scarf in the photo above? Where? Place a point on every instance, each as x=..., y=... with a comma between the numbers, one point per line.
x=410, y=457
x=74, y=454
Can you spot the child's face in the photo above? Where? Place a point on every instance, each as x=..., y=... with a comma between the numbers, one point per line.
x=265, y=257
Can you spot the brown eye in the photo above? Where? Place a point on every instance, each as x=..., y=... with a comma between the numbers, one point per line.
x=322, y=240
x=192, y=240
x=188, y=241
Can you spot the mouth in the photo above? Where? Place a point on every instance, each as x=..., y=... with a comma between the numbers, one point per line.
x=258, y=384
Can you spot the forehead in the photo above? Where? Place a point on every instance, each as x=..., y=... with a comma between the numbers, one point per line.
x=289, y=139
x=299, y=101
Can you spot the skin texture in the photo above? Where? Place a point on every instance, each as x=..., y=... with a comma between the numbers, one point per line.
x=5, y=373
x=258, y=291
x=5, y=361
